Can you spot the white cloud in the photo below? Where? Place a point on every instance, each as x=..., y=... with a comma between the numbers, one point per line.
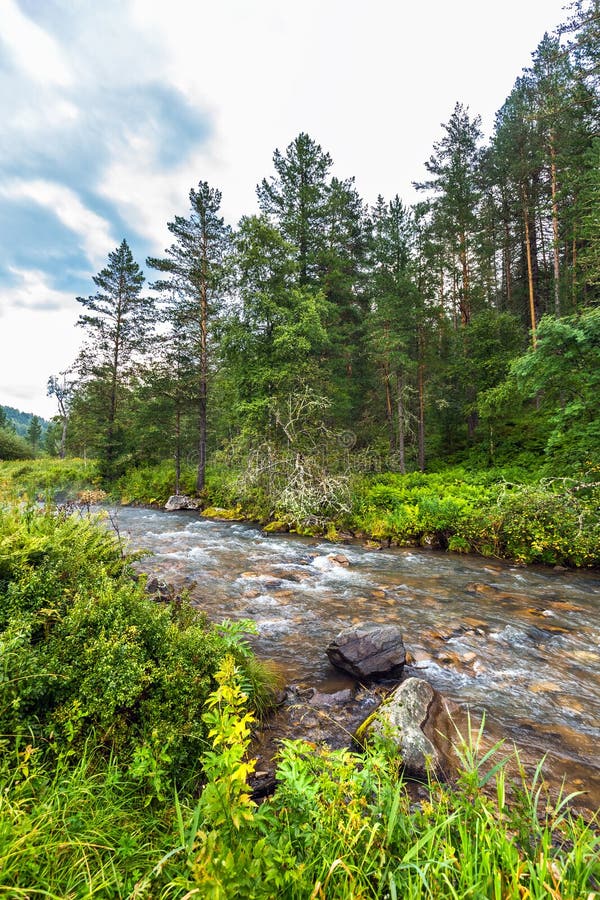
x=34, y=51
x=32, y=292
x=147, y=195
x=371, y=82
x=38, y=338
x=93, y=232
x=49, y=342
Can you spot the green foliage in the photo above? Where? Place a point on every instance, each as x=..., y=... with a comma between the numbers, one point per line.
x=74, y=830
x=17, y=421
x=342, y=824
x=13, y=447
x=84, y=649
x=47, y=478
x=552, y=522
x=565, y=373
x=154, y=484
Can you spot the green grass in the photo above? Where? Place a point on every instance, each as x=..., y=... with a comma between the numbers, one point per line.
x=342, y=825
x=46, y=478
x=74, y=829
x=124, y=734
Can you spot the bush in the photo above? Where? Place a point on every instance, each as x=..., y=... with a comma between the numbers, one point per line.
x=544, y=524
x=154, y=484
x=14, y=447
x=84, y=649
x=551, y=522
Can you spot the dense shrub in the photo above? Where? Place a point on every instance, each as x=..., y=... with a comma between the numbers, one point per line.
x=552, y=522
x=83, y=648
x=12, y=446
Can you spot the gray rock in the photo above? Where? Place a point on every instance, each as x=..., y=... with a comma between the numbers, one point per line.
x=160, y=590
x=339, y=559
x=369, y=651
x=416, y=718
x=181, y=501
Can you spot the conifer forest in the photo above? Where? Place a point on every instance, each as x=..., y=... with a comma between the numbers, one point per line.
x=299, y=585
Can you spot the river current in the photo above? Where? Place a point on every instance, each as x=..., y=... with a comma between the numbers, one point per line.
x=521, y=644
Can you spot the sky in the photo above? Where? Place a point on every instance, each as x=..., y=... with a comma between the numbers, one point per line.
x=112, y=110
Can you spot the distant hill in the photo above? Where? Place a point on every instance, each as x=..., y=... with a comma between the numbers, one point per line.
x=21, y=420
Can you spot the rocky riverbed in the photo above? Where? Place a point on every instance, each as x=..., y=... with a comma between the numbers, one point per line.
x=518, y=644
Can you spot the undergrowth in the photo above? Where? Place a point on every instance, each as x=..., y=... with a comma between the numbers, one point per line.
x=82, y=647
x=48, y=479
x=124, y=770
x=342, y=825
x=506, y=513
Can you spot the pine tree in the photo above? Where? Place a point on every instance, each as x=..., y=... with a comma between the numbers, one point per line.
x=454, y=166
x=118, y=323
x=393, y=318
x=193, y=283
x=295, y=200
x=274, y=333
x=561, y=106
x=343, y=280
x=518, y=155
x=34, y=433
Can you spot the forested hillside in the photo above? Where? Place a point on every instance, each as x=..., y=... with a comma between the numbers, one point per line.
x=19, y=421
x=22, y=434
x=463, y=328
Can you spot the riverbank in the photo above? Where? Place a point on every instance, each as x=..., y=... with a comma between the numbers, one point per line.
x=89, y=757
x=508, y=514
x=496, y=513
x=519, y=642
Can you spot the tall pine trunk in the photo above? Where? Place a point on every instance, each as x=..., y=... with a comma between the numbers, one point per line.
x=389, y=415
x=421, y=392
x=201, y=475
x=400, y=410
x=177, y=450
x=556, y=257
x=529, y=267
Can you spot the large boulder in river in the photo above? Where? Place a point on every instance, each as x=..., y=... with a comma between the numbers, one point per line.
x=181, y=501
x=369, y=651
x=418, y=720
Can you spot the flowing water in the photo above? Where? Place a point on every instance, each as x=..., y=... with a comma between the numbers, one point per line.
x=523, y=644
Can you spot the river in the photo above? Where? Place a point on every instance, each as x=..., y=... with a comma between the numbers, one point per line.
x=523, y=644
